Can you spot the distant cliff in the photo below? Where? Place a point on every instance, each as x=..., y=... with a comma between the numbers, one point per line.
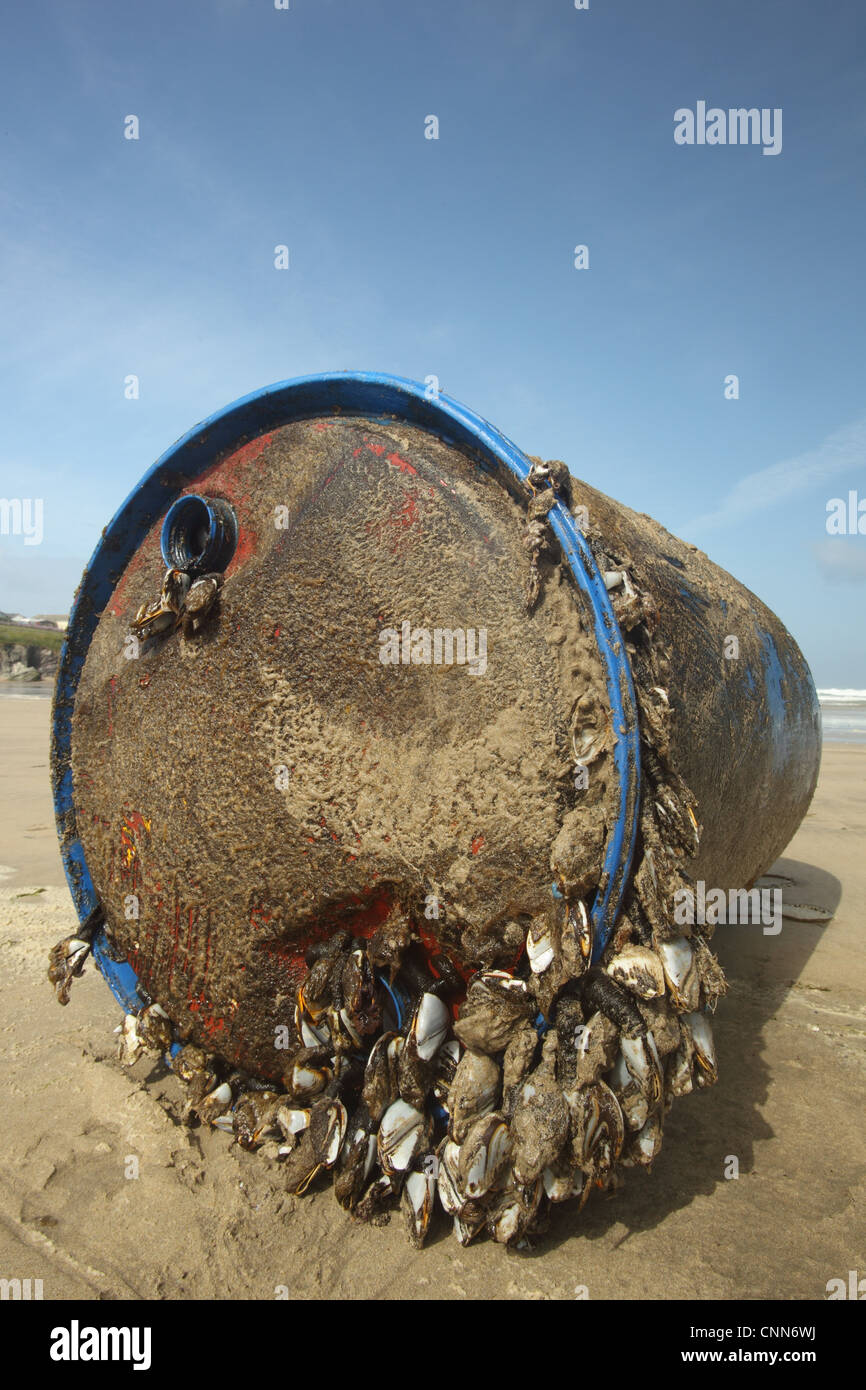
x=28, y=654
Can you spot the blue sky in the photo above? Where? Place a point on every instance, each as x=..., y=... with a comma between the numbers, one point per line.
x=451, y=257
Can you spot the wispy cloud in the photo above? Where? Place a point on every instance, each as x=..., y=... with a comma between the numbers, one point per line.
x=841, y=559
x=842, y=452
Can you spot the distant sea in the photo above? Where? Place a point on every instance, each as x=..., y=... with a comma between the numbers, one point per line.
x=27, y=690
x=843, y=715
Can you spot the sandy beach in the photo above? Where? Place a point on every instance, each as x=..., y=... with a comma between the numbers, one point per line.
x=204, y=1219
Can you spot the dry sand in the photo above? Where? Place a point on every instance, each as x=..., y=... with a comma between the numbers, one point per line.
x=203, y=1219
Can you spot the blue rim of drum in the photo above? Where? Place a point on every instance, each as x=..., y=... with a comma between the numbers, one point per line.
x=360, y=394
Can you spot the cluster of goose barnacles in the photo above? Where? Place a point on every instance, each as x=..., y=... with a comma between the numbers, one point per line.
x=66, y=960
x=497, y=1094
x=546, y=484
x=185, y=600
x=498, y=1114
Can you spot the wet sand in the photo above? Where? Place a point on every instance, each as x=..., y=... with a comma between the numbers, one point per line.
x=203, y=1219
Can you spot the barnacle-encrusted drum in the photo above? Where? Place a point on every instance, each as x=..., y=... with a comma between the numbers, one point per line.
x=383, y=755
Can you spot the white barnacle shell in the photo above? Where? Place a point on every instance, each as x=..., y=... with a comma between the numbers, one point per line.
x=344, y=1020
x=328, y=1130
x=633, y=1102
x=215, y=1103
x=678, y=961
x=221, y=1094
x=400, y=1135
x=314, y=1034
x=484, y=1155
x=679, y=1077
x=370, y=1155
x=309, y=1080
x=588, y=743
x=131, y=1045
x=642, y=1059
x=561, y=1181
x=639, y=970
x=540, y=947
x=418, y=1197
x=505, y=1224
x=698, y=1026
x=473, y=1092
x=646, y=1143
x=508, y=1219
x=452, y=1199
x=76, y=949
x=292, y=1120
x=430, y=1026
x=506, y=982
x=601, y=1125
x=450, y=1053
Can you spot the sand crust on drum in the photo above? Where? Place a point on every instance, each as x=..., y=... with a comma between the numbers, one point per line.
x=269, y=779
